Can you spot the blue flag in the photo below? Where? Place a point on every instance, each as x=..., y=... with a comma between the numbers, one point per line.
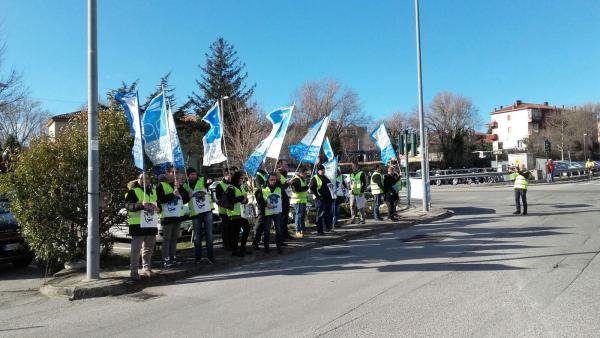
x=382, y=140
x=160, y=135
x=129, y=102
x=309, y=147
x=271, y=145
x=213, y=152
x=328, y=150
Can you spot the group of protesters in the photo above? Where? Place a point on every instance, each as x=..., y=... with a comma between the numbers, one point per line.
x=273, y=195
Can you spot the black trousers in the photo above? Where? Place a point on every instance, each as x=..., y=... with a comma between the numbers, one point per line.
x=226, y=235
x=258, y=227
x=521, y=195
x=236, y=225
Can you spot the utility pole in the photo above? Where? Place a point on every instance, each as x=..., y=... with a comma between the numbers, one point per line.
x=93, y=240
x=424, y=159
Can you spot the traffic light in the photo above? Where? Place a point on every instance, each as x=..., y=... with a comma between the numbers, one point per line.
x=547, y=148
x=413, y=142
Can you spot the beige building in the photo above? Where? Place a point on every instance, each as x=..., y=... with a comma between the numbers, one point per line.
x=58, y=123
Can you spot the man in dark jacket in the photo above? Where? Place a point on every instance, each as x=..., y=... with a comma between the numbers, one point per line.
x=391, y=187
x=269, y=199
x=200, y=206
x=142, y=218
x=321, y=187
x=282, y=170
x=237, y=195
x=220, y=194
x=170, y=195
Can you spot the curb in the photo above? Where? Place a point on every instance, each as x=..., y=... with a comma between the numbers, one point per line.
x=74, y=286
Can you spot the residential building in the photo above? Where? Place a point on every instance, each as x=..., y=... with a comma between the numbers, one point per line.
x=513, y=125
x=57, y=124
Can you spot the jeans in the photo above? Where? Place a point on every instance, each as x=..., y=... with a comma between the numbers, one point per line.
x=521, y=194
x=170, y=236
x=376, y=204
x=300, y=209
x=267, y=221
x=323, y=216
x=259, y=227
x=203, y=224
x=550, y=177
x=146, y=245
x=354, y=209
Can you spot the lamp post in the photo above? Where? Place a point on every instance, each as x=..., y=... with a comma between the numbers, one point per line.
x=584, y=150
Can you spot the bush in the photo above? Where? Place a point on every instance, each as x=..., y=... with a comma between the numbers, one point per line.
x=47, y=185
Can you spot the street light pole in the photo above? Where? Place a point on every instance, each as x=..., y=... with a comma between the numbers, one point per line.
x=424, y=164
x=584, y=150
x=93, y=242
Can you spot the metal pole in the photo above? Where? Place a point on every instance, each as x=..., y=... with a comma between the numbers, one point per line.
x=424, y=173
x=584, y=150
x=93, y=242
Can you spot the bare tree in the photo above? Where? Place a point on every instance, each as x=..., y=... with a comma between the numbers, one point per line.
x=249, y=130
x=399, y=121
x=452, y=118
x=567, y=128
x=20, y=117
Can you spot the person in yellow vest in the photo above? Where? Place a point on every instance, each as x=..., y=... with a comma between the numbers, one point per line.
x=200, y=206
x=220, y=194
x=170, y=200
x=590, y=166
x=237, y=195
x=142, y=218
x=282, y=170
x=299, y=199
x=521, y=178
x=260, y=181
x=269, y=198
x=320, y=187
x=359, y=185
x=377, y=191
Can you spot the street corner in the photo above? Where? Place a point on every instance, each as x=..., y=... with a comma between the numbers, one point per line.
x=74, y=285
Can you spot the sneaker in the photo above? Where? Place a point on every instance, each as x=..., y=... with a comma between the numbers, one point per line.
x=362, y=221
x=380, y=219
x=148, y=273
x=168, y=265
x=524, y=213
x=517, y=212
x=299, y=234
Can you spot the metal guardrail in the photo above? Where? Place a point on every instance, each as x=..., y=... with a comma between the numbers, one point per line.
x=468, y=178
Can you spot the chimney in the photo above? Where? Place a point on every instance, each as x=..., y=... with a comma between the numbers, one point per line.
x=545, y=103
x=494, y=109
x=518, y=102
x=501, y=107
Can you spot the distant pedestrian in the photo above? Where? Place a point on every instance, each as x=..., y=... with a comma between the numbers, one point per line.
x=550, y=171
x=169, y=193
x=521, y=178
x=200, y=206
x=142, y=219
x=377, y=191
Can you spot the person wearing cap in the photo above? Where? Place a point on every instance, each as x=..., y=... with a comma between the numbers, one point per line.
x=200, y=206
x=299, y=199
x=269, y=199
x=321, y=188
x=237, y=195
x=377, y=191
x=359, y=185
x=220, y=194
x=170, y=195
x=142, y=219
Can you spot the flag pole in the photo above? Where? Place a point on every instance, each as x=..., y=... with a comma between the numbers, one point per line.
x=137, y=96
x=221, y=114
x=169, y=133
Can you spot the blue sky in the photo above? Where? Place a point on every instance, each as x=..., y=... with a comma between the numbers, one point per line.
x=493, y=52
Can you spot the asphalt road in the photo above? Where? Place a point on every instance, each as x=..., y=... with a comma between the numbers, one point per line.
x=482, y=272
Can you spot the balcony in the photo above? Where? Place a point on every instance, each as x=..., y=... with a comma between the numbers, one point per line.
x=492, y=125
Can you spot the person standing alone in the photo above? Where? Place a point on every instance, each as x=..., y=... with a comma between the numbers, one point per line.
x=521, y=178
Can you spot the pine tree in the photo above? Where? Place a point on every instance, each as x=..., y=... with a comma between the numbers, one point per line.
x=223, y=76
x=169, y=92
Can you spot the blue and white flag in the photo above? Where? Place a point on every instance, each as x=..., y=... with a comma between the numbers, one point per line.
x=178, y=160
x=160, y=135
x=382, y=140
x=213, y=138
x=271, y=145
x=130, y=103
x=331, y=169
x=328, y=150
x=309, y=147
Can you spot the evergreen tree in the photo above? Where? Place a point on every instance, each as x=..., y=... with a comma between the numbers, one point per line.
x=169, y=92
x=223, y=76
x=125, y=88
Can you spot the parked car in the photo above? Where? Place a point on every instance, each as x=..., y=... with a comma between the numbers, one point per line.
x=13, y=248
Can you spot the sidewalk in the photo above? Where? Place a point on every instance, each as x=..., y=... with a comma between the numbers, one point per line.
x=73, y=284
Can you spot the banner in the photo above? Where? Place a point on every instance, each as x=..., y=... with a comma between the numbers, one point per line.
x=382, y=140
x=212, y=140
x=309, y=147
x=130, y=103
x=328, y=150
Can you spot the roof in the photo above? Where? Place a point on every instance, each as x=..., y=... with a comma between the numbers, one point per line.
x=518, y=105
x=63, y=117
